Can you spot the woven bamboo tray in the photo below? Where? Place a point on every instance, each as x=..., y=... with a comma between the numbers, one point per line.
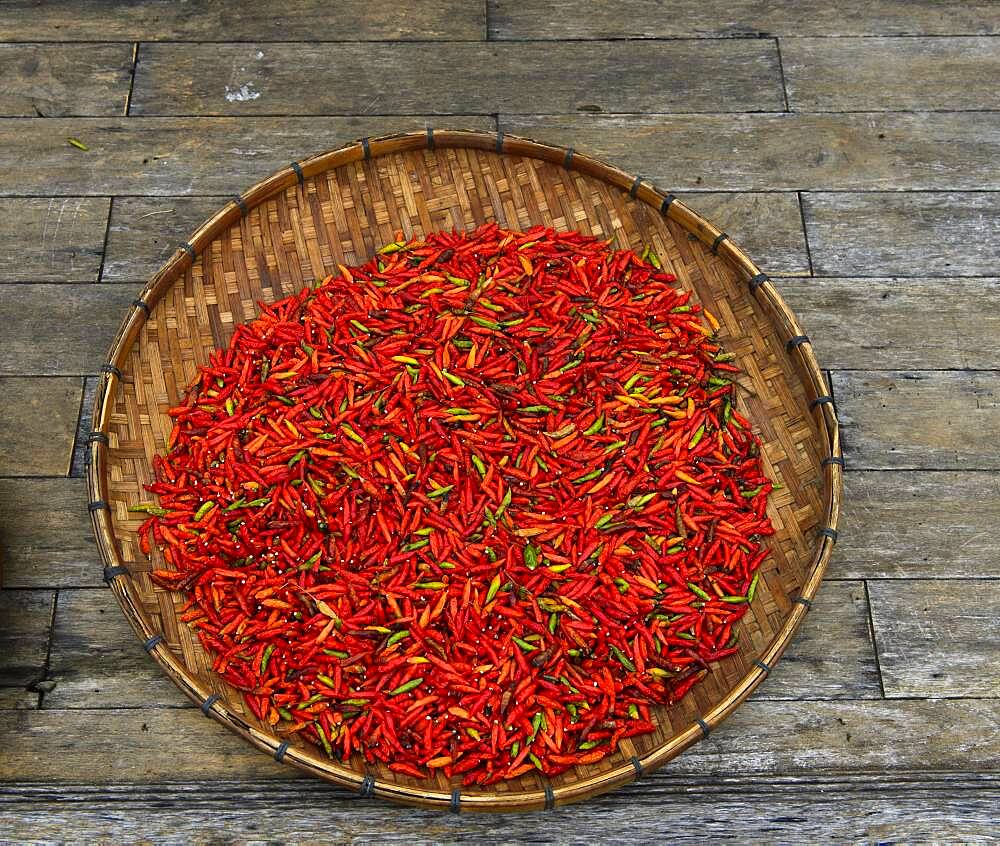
x=339, y=207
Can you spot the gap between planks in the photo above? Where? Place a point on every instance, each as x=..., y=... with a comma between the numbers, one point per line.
x=874, y=640
x=131, y=84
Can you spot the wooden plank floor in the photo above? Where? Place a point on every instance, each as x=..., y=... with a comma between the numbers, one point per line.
x=853, y=147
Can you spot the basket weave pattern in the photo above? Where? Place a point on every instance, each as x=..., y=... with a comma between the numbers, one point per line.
x=339, y=208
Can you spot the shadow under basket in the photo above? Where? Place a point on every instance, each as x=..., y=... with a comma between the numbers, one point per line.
x=342, y=206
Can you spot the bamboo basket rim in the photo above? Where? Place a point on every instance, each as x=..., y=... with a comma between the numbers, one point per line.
x=761, y=287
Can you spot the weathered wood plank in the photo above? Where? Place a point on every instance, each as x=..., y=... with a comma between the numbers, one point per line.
x=52, y=80
x=47, y=537
x=809, y=669
x=950, y=518
x=17, y=699
x=762, y=738
x=37, y=424
x=133, y=745
x=60, y=329
x=57, y=239
x=790, y=810
x=145, y=231
x=941, y=420
x=475, y=78
x=891, y=73
x=169, y=156
x=738, y=18
x=937, y=638
x=752, y=152
x=97, y=661
x=24, y=635
x=925, y=323
x=240, y=20
x=181, y=156
x=767, y=226
x=906, y=234
x=900, y=525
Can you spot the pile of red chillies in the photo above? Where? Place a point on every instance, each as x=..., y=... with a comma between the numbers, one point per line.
x=474, y=507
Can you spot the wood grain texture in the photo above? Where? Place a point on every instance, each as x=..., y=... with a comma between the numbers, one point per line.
x=926, y=323
x=897, y=420
x=37, y=425
x=937, y=638
x=24, y=635
x=46, y=534
x=53, y=80
x=132, y=745
x=918, y=524
x=608, y=76
x=169, y=156
x=16, y=699
x=761, y=738
x=738, y=18
x=57, y=239
x=78, y=323
x=907, y=234
x=891, y=73
x=239, y=20
x=97, y=662
x=787, y=809
x=180, y=156
x=753, y=152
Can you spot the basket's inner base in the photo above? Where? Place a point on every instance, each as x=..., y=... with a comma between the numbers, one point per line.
x=343, y=216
